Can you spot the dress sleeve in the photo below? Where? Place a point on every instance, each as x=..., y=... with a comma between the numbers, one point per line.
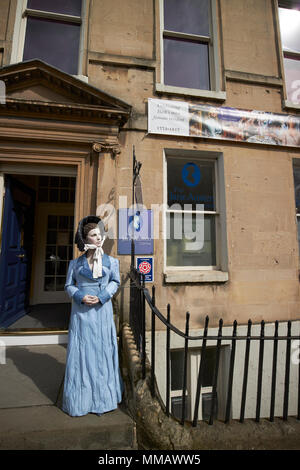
x=114, y=282
x=70, y=285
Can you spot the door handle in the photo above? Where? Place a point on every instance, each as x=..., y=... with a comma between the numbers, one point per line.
x=20, y=256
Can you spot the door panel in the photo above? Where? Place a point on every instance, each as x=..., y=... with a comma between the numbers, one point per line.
x=15, y=250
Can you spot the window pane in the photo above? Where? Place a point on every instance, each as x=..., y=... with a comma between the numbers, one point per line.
x=49, y=284
x=292, y=79
x=52, y=221
x=43, y=181
x=53, y=195
x=61, y=268
x=297, y=187
x=177, y=363
x=43, y=195
x=49, y=267
x=63, y=222
x=51, y=237
x=65, y=182
x=186, y=64
x=51, y=252
x=69, y=7
x=206, y=406
x=56, y=43
x=191, y=182
x=176, y=407
x=62, y=252
x=209, y=367
x=188, y=16
x=289, y=27
x=54, y=181
x=64, y=195
x=180, y=250
x=60, y=283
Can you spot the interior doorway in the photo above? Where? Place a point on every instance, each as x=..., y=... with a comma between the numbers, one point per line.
x=37, y=232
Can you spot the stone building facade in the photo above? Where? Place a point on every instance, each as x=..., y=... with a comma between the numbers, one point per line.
x=78, y=79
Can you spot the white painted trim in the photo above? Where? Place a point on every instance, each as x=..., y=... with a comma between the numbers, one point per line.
x=53, y=16
x=19, y=31
x=81, y=43
x=83, y=78
x=165, y=201
x=28, y=340
x=161, y=39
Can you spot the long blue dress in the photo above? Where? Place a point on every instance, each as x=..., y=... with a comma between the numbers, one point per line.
x=93, y=383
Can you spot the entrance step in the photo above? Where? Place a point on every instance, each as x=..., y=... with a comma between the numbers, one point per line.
x=31, y=379
x=49, y=428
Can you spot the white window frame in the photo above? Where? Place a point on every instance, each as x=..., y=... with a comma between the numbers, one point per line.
x=22, y=13
x=215, y=92
x=193, y=365
x=288, y=5
x=216, y=273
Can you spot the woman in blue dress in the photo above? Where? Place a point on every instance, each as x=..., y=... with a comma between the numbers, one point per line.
x=93, y=383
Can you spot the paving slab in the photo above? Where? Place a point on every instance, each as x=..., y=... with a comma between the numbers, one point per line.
x=31, y=375
x=30, y=414
x=47, y=427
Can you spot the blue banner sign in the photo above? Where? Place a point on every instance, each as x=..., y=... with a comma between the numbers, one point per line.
x=136, y=224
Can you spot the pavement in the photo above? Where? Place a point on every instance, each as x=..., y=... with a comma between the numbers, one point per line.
x=31, y=382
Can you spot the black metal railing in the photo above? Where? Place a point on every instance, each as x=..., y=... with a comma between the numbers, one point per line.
x=140, y=298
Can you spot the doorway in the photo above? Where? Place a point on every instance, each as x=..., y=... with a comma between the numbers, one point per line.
x=37, y=231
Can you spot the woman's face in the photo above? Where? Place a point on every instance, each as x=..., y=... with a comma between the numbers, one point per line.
x=94, y=237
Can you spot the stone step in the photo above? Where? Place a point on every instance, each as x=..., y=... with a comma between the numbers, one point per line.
x=49, y=428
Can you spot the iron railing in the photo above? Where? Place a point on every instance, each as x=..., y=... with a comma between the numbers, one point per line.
x=140, y=298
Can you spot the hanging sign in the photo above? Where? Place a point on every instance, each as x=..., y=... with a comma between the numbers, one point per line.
x=136, y=224
x=193, y=120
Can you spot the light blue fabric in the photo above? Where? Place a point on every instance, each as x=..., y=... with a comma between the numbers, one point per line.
x=93, y=383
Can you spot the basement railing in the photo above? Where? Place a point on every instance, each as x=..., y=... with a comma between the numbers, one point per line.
x=140, y=300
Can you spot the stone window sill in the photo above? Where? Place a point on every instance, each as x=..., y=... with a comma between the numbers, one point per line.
x=215, y=95
x=180, y=276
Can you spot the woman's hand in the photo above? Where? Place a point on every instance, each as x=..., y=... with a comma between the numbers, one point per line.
x=90, y=299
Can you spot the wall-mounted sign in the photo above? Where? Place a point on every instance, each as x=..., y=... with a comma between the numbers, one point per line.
x=136, y=224
x=145, y=266
x=186, y=119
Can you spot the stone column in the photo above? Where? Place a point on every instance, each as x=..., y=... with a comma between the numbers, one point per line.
x=106, y=185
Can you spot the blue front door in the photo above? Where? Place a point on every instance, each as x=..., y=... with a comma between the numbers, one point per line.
x=16, y=251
